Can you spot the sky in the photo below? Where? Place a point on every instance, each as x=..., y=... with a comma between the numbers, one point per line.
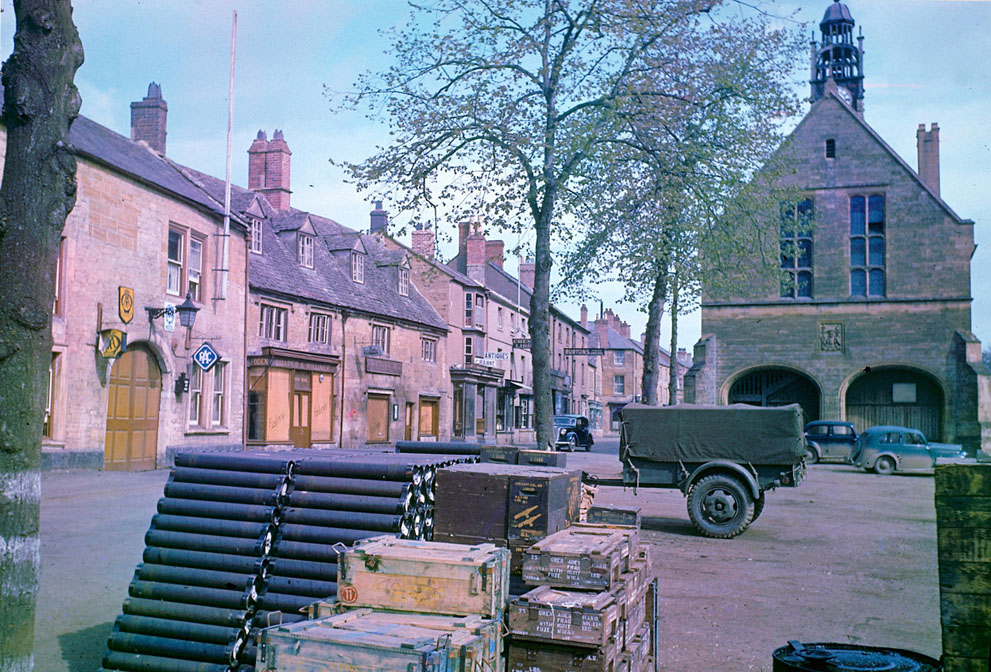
x=925, y=61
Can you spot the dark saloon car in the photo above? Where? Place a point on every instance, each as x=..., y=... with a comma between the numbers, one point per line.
x=887, y=449
x=572, y=431
x=829, y=440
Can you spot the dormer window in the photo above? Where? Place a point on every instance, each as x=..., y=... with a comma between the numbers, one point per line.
x=358, y=267
x=256, y=236
x=304, y=250
x=404, y=282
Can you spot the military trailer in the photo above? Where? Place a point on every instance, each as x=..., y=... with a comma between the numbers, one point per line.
x=722, y=458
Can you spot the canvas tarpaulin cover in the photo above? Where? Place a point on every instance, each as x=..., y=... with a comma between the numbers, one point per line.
x=691, y=433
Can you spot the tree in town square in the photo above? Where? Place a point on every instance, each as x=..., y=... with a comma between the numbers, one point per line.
x=682, y=200
x=37, y=193
x=509, y=109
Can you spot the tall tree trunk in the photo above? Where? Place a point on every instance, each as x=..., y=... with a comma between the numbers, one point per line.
x=652, y=340
x=673, y=380
x=37, y=193
x=540, y=341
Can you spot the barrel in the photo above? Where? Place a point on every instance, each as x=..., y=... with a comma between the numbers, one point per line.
x=798, y=657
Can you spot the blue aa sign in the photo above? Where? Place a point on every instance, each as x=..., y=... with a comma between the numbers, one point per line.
x=205, y=356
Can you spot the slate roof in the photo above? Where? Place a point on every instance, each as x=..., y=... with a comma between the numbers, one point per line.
x=613, y=341
x=329, y=281
x=99, y=143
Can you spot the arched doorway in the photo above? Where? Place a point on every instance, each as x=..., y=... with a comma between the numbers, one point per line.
x=896, y=396
x=132, y=412
x=777, y=387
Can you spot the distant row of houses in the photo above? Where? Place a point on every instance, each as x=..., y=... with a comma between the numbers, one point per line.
x=306, y=333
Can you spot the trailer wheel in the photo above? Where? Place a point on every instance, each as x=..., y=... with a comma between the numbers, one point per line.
x=720, y=506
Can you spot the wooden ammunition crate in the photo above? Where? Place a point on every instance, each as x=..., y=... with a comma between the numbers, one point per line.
x=550, y=614
x=636, y=656
x=540, y=502
x=503, y=454
x=963, y=522
x=577, y=558
x=607, y=514
x=543, y=458
x=636, y=577
x=425, y=576
x=316, y=646
x=630, y=534
x=493, y=500
x=634, y=616
x=531, y=656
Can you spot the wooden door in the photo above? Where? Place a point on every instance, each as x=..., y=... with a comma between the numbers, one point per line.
x=135, y=391
x=408, y=434
x=299, y=428
x=428, y=418
x=378, y=419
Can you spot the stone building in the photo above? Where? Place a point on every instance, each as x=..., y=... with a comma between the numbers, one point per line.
x=621, y=366
x=142, y=238
x=342, y=349
x=870, y=318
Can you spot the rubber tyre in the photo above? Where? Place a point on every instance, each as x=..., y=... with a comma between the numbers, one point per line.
x=572, y=442
x=811, y=457
x=720, y=507
x=885, y=466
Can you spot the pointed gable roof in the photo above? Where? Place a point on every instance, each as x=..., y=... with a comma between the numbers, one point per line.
x=832, y=98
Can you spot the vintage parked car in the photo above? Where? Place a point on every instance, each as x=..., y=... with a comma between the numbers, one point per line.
x=572, y=432
x=829, y=440
x=887, y=449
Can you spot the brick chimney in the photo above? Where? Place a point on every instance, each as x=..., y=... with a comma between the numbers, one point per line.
x=495, y=252
x=528, y=272
x=148, y=118
x=475, y=248
x=424, y=243
x=379, y=220
x=584, y=320
x=928, y=142
x=268, y=168
x=464, y=228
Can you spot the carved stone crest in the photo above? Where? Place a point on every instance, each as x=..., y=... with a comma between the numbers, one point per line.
x=831, y=337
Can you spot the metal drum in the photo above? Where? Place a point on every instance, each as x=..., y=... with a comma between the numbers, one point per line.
x=798, y=657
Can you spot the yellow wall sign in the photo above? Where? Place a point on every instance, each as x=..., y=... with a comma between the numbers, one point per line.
x=125, y=304
x=112, y=342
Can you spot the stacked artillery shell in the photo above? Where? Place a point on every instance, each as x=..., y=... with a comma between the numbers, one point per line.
x=243, y=541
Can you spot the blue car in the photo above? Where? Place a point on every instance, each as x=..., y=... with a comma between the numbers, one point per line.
x=886, y=449
x=829, y=440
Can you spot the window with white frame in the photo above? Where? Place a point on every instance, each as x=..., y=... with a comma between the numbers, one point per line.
x=319, y=330
x=469, y=308
x=304, y=250
x=256, y=236
x=404, y=282
x=358, y=267
x=428, y=349
x=479, y=310
x=619, y=357
x=469, y=351
x=499, y=318
x=272, y=322
x=380, y=337
x=219, y=394
x=195, y=271
x=195, y=394
x=177, y=245
x=618, y=385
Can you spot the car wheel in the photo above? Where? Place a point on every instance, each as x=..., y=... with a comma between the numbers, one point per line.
x=811, y=456
x=572, y=442
x=720, y=506
x=884, y=466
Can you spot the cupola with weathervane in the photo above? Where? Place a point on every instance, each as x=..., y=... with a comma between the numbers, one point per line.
x=838, y=58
